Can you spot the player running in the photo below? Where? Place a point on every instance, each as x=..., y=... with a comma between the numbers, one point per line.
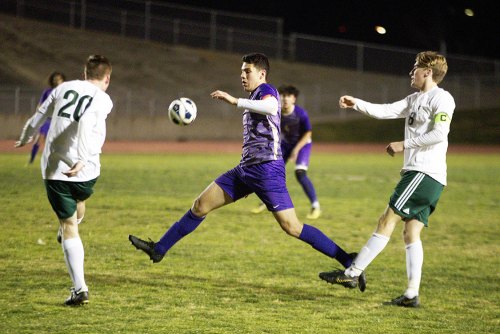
x=260, y=171
x=428, y=115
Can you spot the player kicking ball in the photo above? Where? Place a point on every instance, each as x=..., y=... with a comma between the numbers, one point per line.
x=70, y=161
x=428, y=115
x=261, y=171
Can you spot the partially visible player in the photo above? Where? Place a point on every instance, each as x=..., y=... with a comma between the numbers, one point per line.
x=296, y=144
x=428, y=115
x=55, y=79
x=261, y=170
x=70, y=161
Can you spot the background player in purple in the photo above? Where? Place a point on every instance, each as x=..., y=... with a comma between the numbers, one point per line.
x=296, y=143
x=55, y=79
x=261, y=171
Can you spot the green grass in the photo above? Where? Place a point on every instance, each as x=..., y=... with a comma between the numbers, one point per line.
x=238, y=272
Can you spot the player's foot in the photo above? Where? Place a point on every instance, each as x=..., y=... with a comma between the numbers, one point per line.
x=77, y=298
x=59, y=234
x=314, y=214
x=404, y=301
x=362, y=277
x=339, y=277
x=259, y=209
x=147, y=247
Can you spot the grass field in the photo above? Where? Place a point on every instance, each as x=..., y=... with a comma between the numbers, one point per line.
x=238, y=272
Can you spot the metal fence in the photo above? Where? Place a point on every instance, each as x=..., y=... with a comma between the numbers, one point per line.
x=474, y=82
x=232, y=32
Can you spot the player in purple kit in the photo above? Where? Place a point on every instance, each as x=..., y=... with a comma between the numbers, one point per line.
x=55, y=79
x=296, y=144
x=261, y=171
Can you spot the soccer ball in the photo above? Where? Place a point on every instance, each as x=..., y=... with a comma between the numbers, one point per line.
x=182, y=111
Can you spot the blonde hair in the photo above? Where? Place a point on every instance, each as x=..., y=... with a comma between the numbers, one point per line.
x=436, y=62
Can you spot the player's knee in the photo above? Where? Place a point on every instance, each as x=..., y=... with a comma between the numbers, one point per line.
x=200, y=208
x=291, y=228
x=69, y=228
x=385, y=225
x=197, y=207
x=300, y=174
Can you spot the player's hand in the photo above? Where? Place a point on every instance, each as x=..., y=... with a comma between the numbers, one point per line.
x=346, y=101
x=220, y=95
x=395, y=147
x=74, y=170
x=21, y=143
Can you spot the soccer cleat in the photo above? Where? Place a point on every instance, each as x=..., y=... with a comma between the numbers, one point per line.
x=259, y=209
x=59, y=234
x=147, y=247
x=314, y=214
x=362, y=277
x=404, y=301
x=339, y=277
x=77, y=298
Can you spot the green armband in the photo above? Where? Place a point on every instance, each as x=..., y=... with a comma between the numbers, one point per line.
x=442, y=118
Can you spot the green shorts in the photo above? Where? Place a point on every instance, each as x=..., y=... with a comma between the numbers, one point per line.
x=416, y=196
x=63, y=195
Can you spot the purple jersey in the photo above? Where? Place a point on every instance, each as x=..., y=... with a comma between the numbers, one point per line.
x=294, y=125
x=45, y=95
x=261, y=133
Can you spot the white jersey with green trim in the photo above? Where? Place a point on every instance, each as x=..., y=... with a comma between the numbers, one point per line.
x=77, y=131
x=428, y=117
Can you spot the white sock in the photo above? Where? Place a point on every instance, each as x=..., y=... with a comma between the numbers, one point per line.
x=315, y=205
x=70, y=271
x=414, y=262
x=368, y=253
x=74, y=256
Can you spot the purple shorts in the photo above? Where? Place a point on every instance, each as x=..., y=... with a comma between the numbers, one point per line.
x=267, y=180
x=302, y=161
x=45, y=128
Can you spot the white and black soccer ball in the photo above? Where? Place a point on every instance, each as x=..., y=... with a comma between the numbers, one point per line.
x=182, y=111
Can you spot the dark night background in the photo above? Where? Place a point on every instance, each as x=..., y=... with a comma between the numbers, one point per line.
x=423, y=25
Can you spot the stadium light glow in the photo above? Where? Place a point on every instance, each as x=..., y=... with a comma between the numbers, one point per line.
x=469, y=12
x=380, y=30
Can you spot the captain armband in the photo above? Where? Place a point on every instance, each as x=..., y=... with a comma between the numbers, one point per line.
x=442, y=118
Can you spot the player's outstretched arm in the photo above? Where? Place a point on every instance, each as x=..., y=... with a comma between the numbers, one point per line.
x=220, y=95
x=347, y=101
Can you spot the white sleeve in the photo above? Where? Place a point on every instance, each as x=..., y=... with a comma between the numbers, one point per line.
x=444, y=106
x=36, y=121
x=438, y=134
x=85, y=140
x=383, y=111
x=267, y=106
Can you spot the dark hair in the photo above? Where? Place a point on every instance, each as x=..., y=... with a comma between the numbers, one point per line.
x=97, y=67
x=259, y=60
x=288, y=90
x=53, y=76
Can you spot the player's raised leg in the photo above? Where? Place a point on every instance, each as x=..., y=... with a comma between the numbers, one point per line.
x=313, y=236
x=211, y=198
